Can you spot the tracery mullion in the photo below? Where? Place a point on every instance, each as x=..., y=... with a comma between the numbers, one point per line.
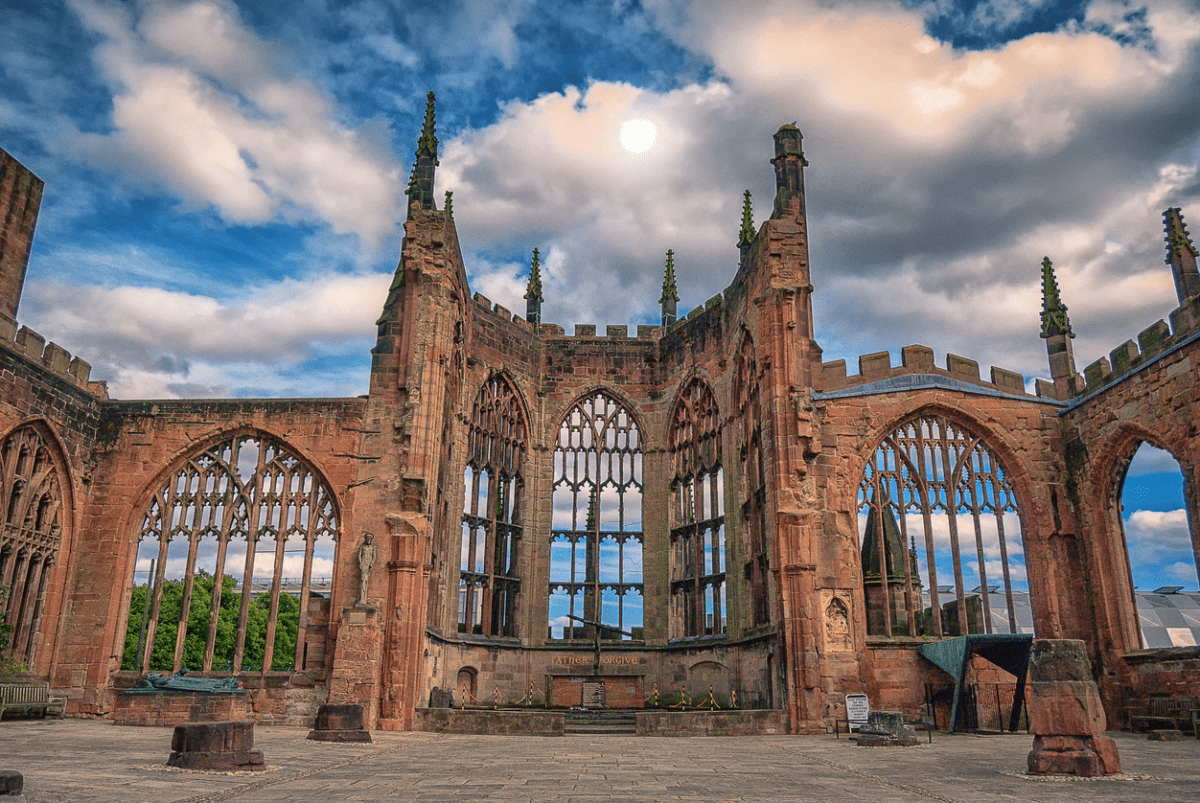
x=164, y=538
x=251, y=497
x=952, y=518
x=185, y=606
x=310, y=544
x=25, y=642
x=228, y=515
x=922, y=483
x=971, y=481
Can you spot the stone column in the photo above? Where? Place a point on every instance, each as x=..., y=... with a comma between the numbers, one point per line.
x=1065, y=714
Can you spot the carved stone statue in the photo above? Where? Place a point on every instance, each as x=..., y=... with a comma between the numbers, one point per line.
x=366, y=559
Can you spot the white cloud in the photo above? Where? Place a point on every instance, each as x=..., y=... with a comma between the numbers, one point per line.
x=201, y=109
x=154, y=343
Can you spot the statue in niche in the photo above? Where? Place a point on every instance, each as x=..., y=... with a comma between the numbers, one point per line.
x=837, y=625
x=366, y=559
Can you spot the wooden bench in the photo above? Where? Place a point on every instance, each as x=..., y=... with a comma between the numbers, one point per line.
x=29, y=697
x=1169, y=713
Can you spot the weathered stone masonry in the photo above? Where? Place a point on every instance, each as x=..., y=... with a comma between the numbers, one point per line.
x=767, y=602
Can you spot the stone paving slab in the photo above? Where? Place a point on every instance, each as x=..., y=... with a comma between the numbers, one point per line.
x=86, y=761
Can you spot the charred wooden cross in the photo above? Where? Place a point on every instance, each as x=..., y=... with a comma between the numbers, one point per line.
x=597, y=627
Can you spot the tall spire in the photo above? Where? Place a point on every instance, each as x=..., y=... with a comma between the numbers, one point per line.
x=670, y=296
x=533, y=292
x=1056, y=329
x=1054, y=311
x=1181, y=255
x=746, y=235
x=420, y=184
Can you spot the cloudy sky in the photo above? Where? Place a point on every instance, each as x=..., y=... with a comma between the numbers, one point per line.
x=225, y=177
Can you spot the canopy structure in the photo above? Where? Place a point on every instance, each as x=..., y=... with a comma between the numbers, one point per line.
x=1010, y=652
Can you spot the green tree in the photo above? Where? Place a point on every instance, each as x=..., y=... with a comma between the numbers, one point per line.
x=162, y=656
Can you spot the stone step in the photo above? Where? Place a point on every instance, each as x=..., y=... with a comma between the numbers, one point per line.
x=600, y=722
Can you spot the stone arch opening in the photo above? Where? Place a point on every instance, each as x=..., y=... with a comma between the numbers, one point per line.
x=34, y=500
x=697, y=516
x=596, y=536
x=266, y=523
x=492, y=517
x=940, y=534
x=1156, y=518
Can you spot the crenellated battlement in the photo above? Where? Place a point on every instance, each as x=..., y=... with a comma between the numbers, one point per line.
x=915, y=360
x=1152, y=342
x=52, y=357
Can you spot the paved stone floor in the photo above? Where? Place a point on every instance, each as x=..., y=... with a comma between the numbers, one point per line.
x=80, y=761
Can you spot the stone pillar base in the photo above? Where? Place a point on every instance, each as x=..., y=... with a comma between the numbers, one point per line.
x=216, y=747
x=1085, y=756
x=340, y=723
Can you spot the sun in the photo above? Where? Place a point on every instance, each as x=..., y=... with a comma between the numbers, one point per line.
x=638, y=136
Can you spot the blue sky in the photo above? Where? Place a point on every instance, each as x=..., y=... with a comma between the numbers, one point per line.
x=225, y=179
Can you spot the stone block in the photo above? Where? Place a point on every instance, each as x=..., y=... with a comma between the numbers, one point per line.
x=648, y=331
x=1065, y=708
x=1166, y=735
x=1124, y=356
x=30, y=342
x=1008, y=380
x=340, y=723
x=215, y=746
x=962, y=368
x=56, y=358
x=715, y=301
x=80, y=369
x=11, y=783
x=877, y=364
x=1086, y=757
x=1045, y=389
x=835, y=370
x=614, y=330
x=917, y=357
x=1097, y=372
x=1154, y=338
x=585, y=330
x=1058, y=659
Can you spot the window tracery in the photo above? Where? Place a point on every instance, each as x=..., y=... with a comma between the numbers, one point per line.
x=754, y=483
x=698, y=516
x=934, y=482
x=229, y=547
x=32, y=500
x=596, y=532
x=489, y=580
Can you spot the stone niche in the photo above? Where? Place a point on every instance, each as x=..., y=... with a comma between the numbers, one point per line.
x=1065, y=714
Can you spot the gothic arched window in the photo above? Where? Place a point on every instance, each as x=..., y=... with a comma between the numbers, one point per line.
x=753, y=497
x=32, y=503
x=941, y=535
x=596, y=530
x=697, y=515
x=491, y=524
x=230, y=546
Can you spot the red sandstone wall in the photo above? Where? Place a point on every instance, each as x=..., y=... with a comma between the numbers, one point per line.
x=139, y=444
x=20, y=200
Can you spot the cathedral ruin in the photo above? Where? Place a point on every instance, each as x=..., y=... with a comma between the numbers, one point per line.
x=517, y=516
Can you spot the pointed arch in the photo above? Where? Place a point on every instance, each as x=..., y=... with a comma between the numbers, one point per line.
x=246, y=486
x=752, y=470
x=698, y=560
x=940, y=523
x=493, y=491
x=1132, y=557
x=596, y=536
x=35, y=502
